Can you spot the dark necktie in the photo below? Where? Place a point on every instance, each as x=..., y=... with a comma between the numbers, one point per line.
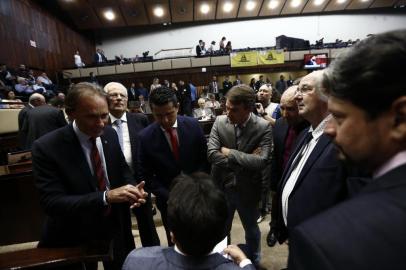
x=288, y=146
x=300, y=154
x=97, y=166
x=119, y=129
x=174, y=142
x=238, y=135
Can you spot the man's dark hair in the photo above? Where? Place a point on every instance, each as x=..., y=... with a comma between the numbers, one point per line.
x=81, y=89
x=370, y=75
x=241, y=94
x=197, y=214
x=161, y=96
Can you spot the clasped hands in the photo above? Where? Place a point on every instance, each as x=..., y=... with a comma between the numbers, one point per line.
x=135, y=195
x=226, y=151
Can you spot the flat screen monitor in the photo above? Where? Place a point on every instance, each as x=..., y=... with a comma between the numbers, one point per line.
x=315, y=61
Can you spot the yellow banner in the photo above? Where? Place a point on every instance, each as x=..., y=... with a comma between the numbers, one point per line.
x=244, y=59
x=271, y=57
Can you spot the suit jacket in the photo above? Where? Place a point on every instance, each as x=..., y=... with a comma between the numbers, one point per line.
x=198, y=51
x=280, y=132
x=41, y=120
x=22, y=134
x=159, y=258
x=241, y=166
x=157, y=165
x=69, y=195
x=212, y=88
x=131, y=96
x=365, y=232
x=321, y=184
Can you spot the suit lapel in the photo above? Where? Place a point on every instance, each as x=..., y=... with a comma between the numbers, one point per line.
x=245, y=136
x=323, y=142
x=78, y=156
x=230, y=133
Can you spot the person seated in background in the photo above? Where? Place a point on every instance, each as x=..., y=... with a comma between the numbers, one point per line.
x=202, y=113
x=155, y=84
x=227, y=84
x=39, y=88
x=11, y=97
x=31, y=78
x=142, y=91
x=22, y=87
x=212, y=103
x=6, y=76
x=197, y=216
x=120, y=59
x=265, y=107
x=143, y=104
x=211, y=49
x=22, y=71
x=46, y=82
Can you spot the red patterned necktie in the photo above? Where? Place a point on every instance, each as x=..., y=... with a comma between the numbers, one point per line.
x=97, y=166
x=174, y=142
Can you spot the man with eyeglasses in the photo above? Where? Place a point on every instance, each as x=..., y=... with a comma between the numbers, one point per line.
x=313, y=178
x=128, y=125
x=172, y=145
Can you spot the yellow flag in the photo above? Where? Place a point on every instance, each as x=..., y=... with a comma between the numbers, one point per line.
x=244, y=59
x=271, y=57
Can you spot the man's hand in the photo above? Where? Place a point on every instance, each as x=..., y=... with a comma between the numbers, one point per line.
x=225, y=151
x=135, y=195
x=235, y=253
x=257, y=151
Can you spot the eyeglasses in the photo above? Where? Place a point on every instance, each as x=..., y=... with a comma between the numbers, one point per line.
x=303, y=90
x=117, y=95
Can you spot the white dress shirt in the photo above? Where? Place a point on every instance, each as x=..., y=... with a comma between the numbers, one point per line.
x=126, y=137
x=304, y=152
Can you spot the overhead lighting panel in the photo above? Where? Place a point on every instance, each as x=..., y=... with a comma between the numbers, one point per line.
x=295, y=3
x=250, y=5
x=109, y=15
x=204, y=8
x=318, y=2
x=228, y=6
x=159, y=11
x=273, y=4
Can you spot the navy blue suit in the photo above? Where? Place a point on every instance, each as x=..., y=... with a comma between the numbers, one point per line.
x=157, y=164
x=366, y=232
x=321, y=184
x=69, y=195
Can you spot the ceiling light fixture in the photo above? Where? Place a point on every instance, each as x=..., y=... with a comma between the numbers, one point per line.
x=159, y=11
x=295, y=3
x=341, y=1
x=250, y=5
x=364, y=1
x=318, y=2
x=204, y=8
x=227, y=7
x=273, y=4
x=109, y=15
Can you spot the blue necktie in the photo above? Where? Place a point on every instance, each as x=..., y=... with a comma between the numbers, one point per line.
x=119, y=130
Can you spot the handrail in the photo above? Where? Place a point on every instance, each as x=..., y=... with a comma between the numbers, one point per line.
x=176, y=49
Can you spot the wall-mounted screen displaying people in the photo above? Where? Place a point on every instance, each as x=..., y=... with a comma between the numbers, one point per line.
x=315, y=61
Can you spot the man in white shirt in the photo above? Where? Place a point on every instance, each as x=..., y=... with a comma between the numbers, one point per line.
x=313, y=178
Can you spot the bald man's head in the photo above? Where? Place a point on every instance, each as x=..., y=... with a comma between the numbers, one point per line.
x=36, y=100
x=288, y=105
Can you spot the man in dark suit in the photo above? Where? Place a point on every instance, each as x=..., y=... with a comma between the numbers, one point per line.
x=99, y=58
x=239, y=148
x=85, y=185
x=369, y=127
x=197, y=214
x=199, y=48
x=127, y=126
x=313, y=178
x=41, y=120
x=285, y=134
x=214, y=87
x=172, y=145
x=33, y=101
x=185, y=99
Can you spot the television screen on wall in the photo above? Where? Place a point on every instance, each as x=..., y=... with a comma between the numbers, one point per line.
x=315, y=61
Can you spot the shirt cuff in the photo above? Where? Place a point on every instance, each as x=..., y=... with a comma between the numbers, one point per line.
x=244, y=263
x=105, y=198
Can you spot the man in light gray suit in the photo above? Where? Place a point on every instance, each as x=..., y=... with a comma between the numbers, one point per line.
x=239, y=148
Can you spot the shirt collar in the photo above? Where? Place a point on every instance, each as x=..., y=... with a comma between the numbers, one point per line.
x=318, y=131
x=181, y=253
x=83, y=138
x=123, y=118
x=174, y=125
x=395, y=161
x=243, y=124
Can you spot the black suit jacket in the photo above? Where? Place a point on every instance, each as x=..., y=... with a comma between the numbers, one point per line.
x=22, y=134
x=41, y=120
x=320, y=185
x=68, y=193
x=158, y=166
x=366, y=232
x=280, y=132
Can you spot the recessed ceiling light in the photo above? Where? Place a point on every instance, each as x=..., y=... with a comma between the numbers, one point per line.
x=159, y=11
x=273, y=4
x=364, y=1
x=341, y=1
x=318, y=2
x=295, y=3
x=109, y=15
x=250, y=5
x=227, y=7
x=204, y=8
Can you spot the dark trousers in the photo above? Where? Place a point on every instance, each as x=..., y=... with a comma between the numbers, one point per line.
x=162, y=207
x=146, y=226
